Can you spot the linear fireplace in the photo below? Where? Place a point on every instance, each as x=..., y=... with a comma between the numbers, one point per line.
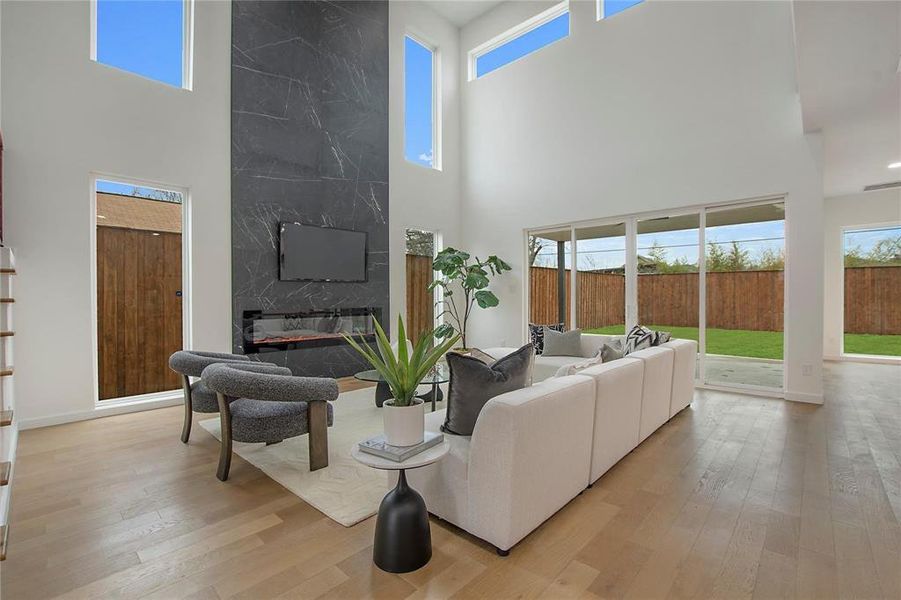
x=266, y=331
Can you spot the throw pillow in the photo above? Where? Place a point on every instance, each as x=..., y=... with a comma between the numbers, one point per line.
x=562, y=343
x=473, y=384
x=638, y=338
x=661, y=337
x=574, y=368
x=612, y=350
x=536, y=335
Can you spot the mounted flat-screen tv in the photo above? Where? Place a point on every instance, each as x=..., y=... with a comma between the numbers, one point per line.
x=312, y=253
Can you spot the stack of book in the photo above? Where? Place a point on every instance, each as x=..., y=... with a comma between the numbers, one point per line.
x=377, y=446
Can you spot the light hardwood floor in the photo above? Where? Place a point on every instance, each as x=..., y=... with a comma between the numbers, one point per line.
x=737, y=497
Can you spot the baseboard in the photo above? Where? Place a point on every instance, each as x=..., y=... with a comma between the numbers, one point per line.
x=99, y=412
x=804, y=397
x=865, y=358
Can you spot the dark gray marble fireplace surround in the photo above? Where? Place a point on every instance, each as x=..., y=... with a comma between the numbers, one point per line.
x=309, y=145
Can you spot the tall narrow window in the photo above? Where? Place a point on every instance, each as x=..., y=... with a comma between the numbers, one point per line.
x=145, y=37
x=420, y=111
x=872, y=280
x=608, y=8
x=139, y=288
x=536, y=33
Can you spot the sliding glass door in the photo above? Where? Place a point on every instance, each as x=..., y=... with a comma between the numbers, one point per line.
x=714, y=275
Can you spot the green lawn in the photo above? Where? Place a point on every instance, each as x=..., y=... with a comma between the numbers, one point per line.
x=766, y=344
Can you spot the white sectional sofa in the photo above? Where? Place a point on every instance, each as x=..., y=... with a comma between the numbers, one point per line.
x=535, y=449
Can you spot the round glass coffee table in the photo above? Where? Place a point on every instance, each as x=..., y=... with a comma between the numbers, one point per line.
x=439, y=374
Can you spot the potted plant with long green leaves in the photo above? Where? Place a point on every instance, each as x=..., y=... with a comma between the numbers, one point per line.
x=471, y=278
x=403, y=371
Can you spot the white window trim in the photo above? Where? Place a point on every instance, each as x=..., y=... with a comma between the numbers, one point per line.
x=436, y=100
x=153, y=399
x=600, y=9
x=849, y=356
x=187, y=45
x=631, y=296
x=513, y=33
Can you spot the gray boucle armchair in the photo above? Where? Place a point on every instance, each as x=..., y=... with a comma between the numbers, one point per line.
x=191, y=363
x=265, y=403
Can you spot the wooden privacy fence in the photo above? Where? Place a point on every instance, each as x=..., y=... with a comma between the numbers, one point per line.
x=420, y=302
x=873, y=300
x=740, y=300
x=139, y=310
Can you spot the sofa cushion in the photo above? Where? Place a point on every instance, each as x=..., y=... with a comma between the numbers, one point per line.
x=658, y=388
x=473, y=383
x=562, y=343
x=536, y=335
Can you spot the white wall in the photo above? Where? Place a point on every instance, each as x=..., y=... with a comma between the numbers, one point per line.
x=422, y=198
x=855, y=210
x=668, y=104
x=65, y=116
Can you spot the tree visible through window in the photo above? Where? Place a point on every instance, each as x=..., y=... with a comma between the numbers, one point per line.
x=145, y=37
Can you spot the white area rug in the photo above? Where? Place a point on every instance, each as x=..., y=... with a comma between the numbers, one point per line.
x=346, y=491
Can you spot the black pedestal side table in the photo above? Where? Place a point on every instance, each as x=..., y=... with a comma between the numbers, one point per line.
x=403, y=539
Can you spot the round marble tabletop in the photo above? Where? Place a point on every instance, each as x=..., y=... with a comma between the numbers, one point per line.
x=427, y=457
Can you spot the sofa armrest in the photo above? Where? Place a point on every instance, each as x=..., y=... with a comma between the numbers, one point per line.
x=530, y=454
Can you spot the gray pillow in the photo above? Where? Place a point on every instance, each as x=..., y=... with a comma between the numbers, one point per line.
x=612, y=350
x=473, y=384
x=562, y=343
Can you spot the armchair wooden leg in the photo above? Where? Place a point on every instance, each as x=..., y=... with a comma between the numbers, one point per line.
x=318, y=428
x=225, y=446
x=189, y=410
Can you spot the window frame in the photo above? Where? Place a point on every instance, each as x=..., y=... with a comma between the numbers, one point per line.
x=599, y=7
x=187, y=47
x=511, y=34
x=436, y=100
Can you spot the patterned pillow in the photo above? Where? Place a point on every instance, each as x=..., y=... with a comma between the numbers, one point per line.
x=638, y=338
x=661, y=337
x=536, y=335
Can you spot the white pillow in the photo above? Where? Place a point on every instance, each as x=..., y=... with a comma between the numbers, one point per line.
x=573, y=368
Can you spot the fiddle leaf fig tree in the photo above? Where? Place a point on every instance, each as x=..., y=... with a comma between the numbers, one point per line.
x=458, y=272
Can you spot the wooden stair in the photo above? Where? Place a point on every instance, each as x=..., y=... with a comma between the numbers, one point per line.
x=6, y=271
x=6, y=418
x=4, y=540
x=5, y=469
x=7, y=333
x=6, y=372
x=7, y=300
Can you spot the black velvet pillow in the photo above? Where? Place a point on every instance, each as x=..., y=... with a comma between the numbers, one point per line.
x=473, y=384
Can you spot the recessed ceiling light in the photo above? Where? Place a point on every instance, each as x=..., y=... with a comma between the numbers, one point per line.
x=895, y=165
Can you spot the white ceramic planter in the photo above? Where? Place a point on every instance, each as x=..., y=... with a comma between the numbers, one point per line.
x=404, y=425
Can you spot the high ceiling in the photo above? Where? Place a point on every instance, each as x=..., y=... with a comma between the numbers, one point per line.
x=461, y=12
x=848, y=60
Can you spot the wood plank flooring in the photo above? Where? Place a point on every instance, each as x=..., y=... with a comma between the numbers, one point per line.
x=737, y=497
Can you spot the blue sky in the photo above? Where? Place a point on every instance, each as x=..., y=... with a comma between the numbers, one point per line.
x=528, y=42
x=126, y=189
x=611, y=7
x=865, y=239
x=418, y=103
x=143, y=37
x=607, y=253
